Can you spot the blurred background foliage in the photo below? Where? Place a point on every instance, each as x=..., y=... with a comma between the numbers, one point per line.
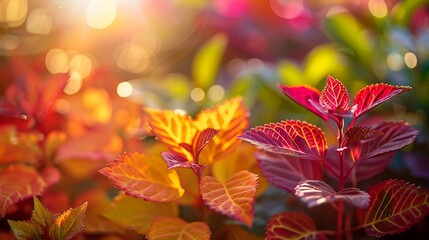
x=192, y=54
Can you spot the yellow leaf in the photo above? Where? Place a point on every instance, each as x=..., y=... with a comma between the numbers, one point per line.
x=173, y=228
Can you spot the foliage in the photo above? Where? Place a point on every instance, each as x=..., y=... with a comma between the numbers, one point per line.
x=387, y=208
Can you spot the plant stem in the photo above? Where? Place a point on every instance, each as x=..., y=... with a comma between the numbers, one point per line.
x=340, y=210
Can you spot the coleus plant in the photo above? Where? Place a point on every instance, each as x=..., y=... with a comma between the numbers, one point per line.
x=295, y=155
x=156, y=185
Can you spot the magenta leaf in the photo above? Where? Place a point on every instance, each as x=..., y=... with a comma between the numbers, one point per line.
x=285, y=172
x=334, y=98
x=375, y=94
x=303, y=95
x=175, y=160
x=201, y=139
x=315, y=193
x=290, y=137
x=396, y=135
x=395, y=206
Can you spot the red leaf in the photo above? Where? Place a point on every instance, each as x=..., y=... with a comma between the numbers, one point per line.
x=375, y=94
x=234, y=198
x=144, y=177
x=17, y=183
x=285, y=172
x=303, y=95
x=315, y=193
x=201, y=139
x=292, y=226
x=396, y=135
x=394, y=207
x=290, y=137
x=169, y=228
x=334, y=98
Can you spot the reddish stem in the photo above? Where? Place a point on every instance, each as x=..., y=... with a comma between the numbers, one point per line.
x=341, y=179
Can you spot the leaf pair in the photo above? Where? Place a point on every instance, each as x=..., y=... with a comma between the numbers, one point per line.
x=215, y=130
x=61, y=226
x=334, y=100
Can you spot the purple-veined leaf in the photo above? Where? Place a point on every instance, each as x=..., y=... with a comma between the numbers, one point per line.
x=201, y=139
x=375, y=94
x=394, y=207
x=358, y=135
x=290, y=137
x=292, y=226
x=334, y=98
x=396, y=135
x=315, y=193
x=303, y=95
x=285, y=172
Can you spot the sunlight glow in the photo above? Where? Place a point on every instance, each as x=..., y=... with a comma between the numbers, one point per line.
x=81, y=64
x=124, y=89
x=395, y=62
x=13, y=12
x=74, y=84
x=216, y=93
x=100, y=13
x=377, y=8
x=39, y=22
x=410, y=60
x=197, y=94
x=57, y=61
x=288, y=9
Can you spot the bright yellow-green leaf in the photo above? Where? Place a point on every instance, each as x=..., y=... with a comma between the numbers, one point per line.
x=144, y=177
x=320, y=62
x=137, y=214
x=173, y=228
x=290, y=73
x=207, y=61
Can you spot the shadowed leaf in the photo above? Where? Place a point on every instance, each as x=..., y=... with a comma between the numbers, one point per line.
x=40, y=215
x=137, y=214
x=144, y=177
x=375, y=94
x=394, y=207
x=358, y=135
x=315, y=193
x=168, y=228
x=292, y=226
x=303, y=95
x=290, y=137
x=18, y=182
x=235, y=197
x=23, y=230
x=285, y=172
x=175, y=160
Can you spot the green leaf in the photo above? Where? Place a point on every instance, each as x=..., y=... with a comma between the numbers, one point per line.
x=207, y=61
x=405, y=9
x=25, y=230
x=42, y=216
x=68, y=224
x=137, y=214
x=290, y=73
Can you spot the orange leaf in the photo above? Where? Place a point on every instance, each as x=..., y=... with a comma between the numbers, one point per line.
x=169, y=228
x=144, y=177
x=172, y=129
x=17, y=183
x=231, y=119
x=234, y=198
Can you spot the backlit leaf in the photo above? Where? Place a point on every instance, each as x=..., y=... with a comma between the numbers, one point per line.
x=375, y=94
x=172, y=129
x=303, y=95
x=207, y=61
x=169, y=228
x=175, y=160
x=18, y=182
x=315, y=193
x=396, y=135
x=23, y=230
x=231, y=119
x=394, y=207
x=235, y=232
x=285, y=172
x=334, y=97
x=68, y=223
x=292, y=226
x=201, y=139
x=235, y=197
x=144, y=177
x=137, y=214
x=290, y=137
